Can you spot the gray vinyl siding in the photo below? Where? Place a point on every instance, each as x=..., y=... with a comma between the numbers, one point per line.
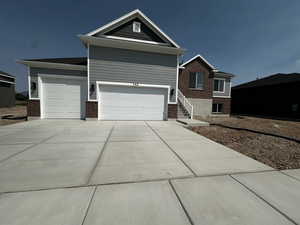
x=120, y=65
x=7, y=94
x=227, y=89
x=34, y=71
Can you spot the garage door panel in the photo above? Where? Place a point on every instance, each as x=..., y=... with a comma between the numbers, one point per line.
x=132, y=103
x=63, y=98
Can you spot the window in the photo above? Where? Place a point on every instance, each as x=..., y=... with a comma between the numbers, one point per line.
x=217, y=108
x=219, y=85
x=197, y=80
x=136, y=27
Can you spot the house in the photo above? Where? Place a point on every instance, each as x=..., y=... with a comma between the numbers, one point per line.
x=130, y=73
x=276, y=95
x=204, y=88
x=7, y=90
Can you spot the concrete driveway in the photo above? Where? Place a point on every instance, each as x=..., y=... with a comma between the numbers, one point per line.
x=126, y=172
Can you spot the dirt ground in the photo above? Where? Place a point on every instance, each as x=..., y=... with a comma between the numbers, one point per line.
x=276, y=152
x=280, y=127
x=19, y=112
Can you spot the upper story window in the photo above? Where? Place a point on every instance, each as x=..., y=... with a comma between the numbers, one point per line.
x=196, y=80
x=136, y=27
x=219, y=85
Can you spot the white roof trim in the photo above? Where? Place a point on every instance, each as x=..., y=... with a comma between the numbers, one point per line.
x=137, y=12
x=201, y=57
x=5, y=75
x=53, y=65
x=5, y=81
x=131, y=45
x=136, y=40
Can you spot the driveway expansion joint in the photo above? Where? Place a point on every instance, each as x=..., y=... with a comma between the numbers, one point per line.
x=29, y=147
x=257, y=195
x=181, y=203
x=89, y=205
x=130, y=182
x=175, y=153
x=295, y=178
x=100, y=155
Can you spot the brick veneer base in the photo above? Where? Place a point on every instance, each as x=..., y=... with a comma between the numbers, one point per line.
x=91, y=109
x=172, y=111
x=226, y=104
x=33, y=108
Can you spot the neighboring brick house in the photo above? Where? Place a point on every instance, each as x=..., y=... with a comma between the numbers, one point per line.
x=275, y=95
x=206, y=88
x=7, y=90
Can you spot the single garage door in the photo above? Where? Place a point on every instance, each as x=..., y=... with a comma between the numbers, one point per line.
x=132, y=103
x=63, y=98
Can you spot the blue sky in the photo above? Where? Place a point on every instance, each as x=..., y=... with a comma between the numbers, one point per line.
x=249, y=38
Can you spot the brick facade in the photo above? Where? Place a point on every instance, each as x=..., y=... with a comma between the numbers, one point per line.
x=172, y=111
x=33, y=108
x=184, y=79
x=91, y=109
x=226, y=104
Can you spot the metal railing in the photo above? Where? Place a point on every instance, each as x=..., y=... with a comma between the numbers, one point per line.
x=185, y=103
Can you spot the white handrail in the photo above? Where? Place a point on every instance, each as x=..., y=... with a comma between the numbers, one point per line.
x=185, y=103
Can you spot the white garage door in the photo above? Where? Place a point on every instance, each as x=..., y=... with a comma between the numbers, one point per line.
x=63, y=98
x=132, y=103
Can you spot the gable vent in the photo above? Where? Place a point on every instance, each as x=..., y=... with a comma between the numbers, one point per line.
x=136, y=27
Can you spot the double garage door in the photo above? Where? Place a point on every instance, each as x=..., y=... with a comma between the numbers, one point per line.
x=132, y=103
x=63, y=98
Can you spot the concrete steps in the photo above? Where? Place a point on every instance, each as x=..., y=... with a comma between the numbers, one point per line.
x=181, y=112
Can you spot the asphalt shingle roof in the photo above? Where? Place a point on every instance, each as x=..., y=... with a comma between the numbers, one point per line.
x=275, y=79
x=72, y=61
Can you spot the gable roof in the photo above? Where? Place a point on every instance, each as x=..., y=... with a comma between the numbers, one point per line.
x=275, y=79
x=201, y=58
x=129, y=16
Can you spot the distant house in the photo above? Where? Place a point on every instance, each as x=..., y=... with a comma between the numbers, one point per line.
x=276, y=95
x=7, y=90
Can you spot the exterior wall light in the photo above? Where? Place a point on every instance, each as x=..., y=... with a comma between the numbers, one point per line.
x=33, y=86
x=92, y=89
x=172, y=92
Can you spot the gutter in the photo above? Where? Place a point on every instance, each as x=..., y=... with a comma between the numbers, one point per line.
x=52, y=65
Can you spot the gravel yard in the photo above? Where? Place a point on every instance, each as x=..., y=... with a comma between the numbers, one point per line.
x=18, y=112
x=276, y=152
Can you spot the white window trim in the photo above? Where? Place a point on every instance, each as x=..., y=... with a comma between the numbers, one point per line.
x=195, y=88
x=134, y=25
x=217, y=108
x=223, y=85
